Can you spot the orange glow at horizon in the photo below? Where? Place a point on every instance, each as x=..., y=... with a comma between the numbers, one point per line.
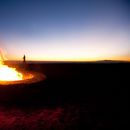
x=73, y=59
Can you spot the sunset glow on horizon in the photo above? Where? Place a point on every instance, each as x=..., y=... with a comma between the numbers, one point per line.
x=80, y=30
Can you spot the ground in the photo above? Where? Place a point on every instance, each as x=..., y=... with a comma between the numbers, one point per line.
x=74, y=96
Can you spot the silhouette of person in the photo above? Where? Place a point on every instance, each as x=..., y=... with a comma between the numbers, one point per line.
x=24, y=58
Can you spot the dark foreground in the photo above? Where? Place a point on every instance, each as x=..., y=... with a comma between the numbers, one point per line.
x=75, y=96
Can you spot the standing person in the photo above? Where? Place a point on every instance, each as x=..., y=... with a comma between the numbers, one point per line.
x=24, y=58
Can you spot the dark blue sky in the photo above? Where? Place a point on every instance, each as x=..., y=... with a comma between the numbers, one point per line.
x=65, y=29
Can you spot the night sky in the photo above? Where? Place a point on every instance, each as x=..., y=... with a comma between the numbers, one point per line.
x=65, y=30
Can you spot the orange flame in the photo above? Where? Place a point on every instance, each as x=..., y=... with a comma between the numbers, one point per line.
x=8, y=73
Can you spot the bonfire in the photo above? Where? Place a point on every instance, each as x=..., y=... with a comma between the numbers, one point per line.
x=10, y=75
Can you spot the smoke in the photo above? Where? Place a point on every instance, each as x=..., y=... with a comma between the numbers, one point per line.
x=2, y=56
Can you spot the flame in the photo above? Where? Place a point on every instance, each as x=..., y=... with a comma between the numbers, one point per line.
x=8, y=73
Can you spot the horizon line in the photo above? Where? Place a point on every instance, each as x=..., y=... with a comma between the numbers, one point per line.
x=68, y=61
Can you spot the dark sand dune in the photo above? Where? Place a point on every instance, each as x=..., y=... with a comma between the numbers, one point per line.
x=75, y=96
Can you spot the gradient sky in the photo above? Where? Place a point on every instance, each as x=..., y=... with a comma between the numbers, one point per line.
x=65, y=30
